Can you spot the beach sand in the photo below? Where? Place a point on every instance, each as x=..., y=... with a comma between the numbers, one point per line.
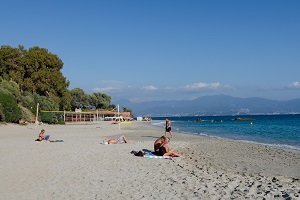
x=83, y=168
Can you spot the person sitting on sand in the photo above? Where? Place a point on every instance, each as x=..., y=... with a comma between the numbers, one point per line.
x=161, y=147
x=159, y=142
x=42, y=137
x=121, y=140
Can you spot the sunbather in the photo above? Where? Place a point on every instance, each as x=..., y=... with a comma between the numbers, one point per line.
x=159, y=142
x=42, y=137
x=161, y=147
x=121, y=140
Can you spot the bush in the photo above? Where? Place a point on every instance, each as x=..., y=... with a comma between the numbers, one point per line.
x=27, y=100
x=26, y=114
x=11, y=111
x=2, y=116
x=45, y=103
x=11, y=86
x=52, y=117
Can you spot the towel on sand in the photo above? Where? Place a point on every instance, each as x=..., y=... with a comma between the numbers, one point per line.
x=149, y=154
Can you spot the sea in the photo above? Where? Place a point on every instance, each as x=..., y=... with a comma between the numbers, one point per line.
x=281, y=131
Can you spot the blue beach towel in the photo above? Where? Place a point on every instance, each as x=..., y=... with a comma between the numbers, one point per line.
x=152, y=155
x=57, y=141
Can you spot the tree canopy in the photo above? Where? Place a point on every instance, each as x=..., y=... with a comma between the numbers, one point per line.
x=31, y=76
x=36, y=70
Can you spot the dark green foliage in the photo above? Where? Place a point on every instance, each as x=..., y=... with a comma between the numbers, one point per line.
x=79, y=99
x=27, y=100
x=35, y=70
x=12, y=112
x=11, y=86
x=27, y=115
x=52, y=117
x=32, y=76
x=99, y=100
x=127, y=110
x=66, y=101
x=11, y=64
x=44, y=103
x=93, y=101
x=2, y=116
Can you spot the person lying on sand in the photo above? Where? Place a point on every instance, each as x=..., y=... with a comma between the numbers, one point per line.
x=121, y=140
x=161, y=148
x=42, y=137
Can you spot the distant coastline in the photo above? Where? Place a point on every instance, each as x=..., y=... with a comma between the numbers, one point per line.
x=216, y=105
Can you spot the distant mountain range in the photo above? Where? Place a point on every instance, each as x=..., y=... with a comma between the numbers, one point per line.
x=214, y=105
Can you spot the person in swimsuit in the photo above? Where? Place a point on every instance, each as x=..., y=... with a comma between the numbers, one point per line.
x=159, y=142
x=168, y=128
x=161, y=147
x=43, y=137
x=121, y=140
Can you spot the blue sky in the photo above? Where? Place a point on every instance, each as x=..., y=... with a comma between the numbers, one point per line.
x=165, y=49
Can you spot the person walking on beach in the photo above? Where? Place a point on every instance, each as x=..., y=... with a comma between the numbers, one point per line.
x=168, y=128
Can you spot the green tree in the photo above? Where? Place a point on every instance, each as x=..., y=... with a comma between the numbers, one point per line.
x=42, y=73
x=100, y=100
x=66, y=101
x=79, y=99
x=112, y=107
x=35, y=70
x=127, y=110
x=10, y=109
x=11, y=86
x=2, y=115
x=45, y=103
x=11, y=64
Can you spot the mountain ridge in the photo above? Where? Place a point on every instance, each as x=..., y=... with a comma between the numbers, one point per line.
x=214, y=105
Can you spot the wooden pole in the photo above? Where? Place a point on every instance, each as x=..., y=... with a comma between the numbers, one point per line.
x=119, y=117
x=37, y=113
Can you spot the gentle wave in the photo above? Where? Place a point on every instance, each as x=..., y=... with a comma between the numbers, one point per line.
x=279, y=146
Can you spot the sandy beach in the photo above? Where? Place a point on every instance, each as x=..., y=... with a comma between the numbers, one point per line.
x=83, y=168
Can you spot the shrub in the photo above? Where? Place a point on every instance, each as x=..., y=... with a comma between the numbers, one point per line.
x=45, y=103
x=11, y=86
x=2, y=116
x=26, y=114
x=11, y=111
x=27, y=100
x=52, y=117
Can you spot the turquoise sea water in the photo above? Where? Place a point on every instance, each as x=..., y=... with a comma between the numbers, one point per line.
x=282, y=131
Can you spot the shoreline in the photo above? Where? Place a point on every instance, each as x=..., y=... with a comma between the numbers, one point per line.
x=275, y=145
x=82, y=168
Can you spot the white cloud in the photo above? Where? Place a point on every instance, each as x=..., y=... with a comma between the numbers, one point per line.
x=150, y=88
x=204, y=86
x=295, y=85
x=105, y=89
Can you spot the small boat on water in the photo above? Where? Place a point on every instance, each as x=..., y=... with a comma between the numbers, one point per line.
x=242, y=119
x=198, y=120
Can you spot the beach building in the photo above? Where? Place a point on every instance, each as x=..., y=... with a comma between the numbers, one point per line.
x=89, y=116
